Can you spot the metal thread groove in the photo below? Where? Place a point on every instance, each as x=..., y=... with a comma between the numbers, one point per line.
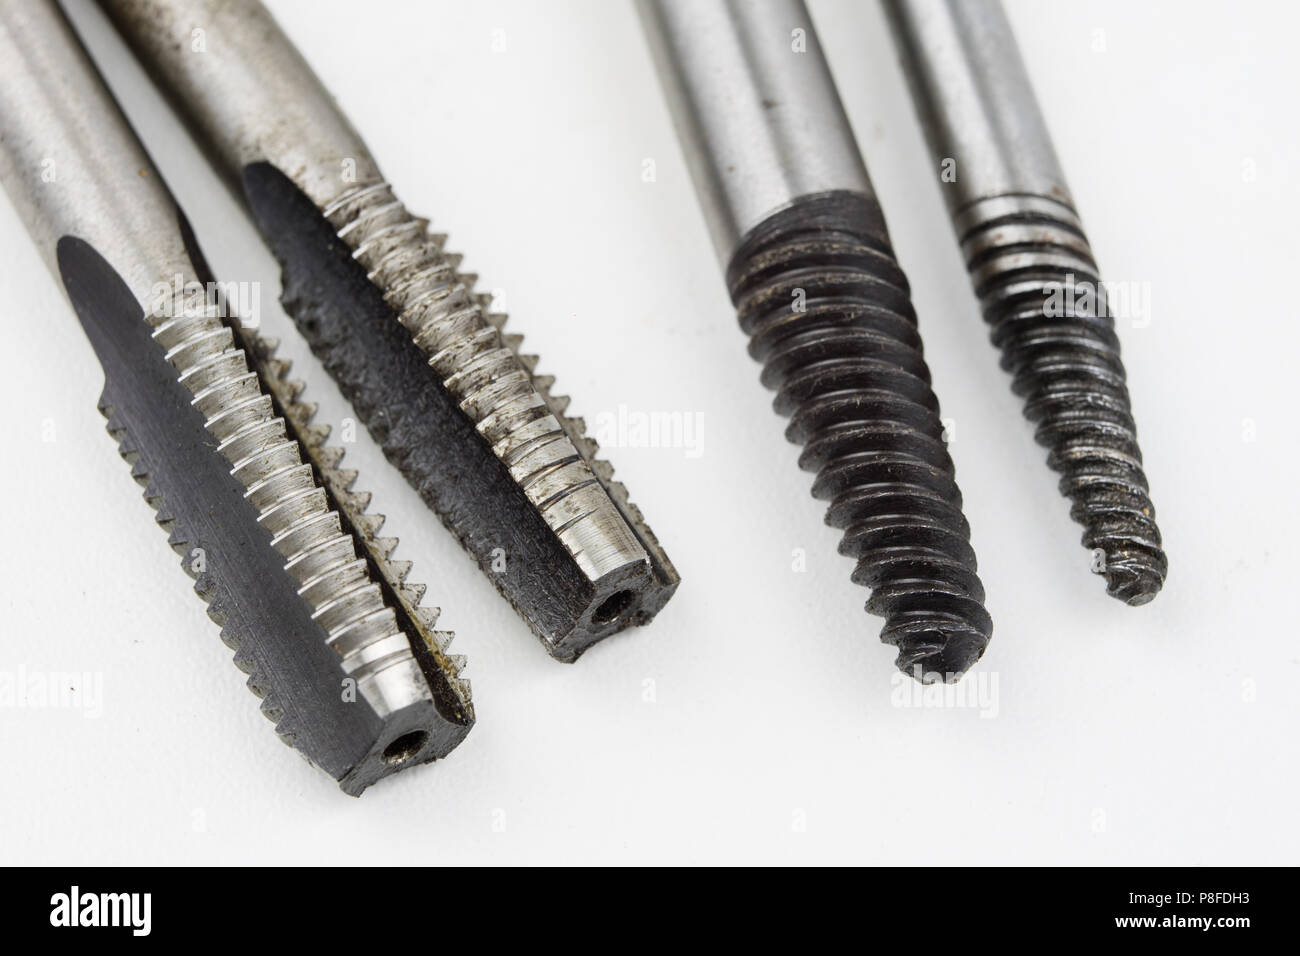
x=492, y=383
x=1022, y=253
x=828, y=313
x=362, y=309
x=352, y=503
x=318, y=553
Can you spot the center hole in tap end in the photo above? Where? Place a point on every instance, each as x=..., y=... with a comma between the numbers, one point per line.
x=405, y=747
x=612, y=607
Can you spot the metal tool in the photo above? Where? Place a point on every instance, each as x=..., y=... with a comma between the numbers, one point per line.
x=348, y=665
x=449, y=398
x=810, y=269
x=1034, y=273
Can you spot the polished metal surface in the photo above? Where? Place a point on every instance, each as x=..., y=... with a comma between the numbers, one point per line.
x=70, y=163
x=88, y=192
x=975, y=101
x=249, y=93
x=755, y=108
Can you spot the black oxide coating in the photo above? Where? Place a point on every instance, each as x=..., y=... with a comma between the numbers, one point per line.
x=828, y=312
x=409, y=412
x=262, y=616
x=1042, y=297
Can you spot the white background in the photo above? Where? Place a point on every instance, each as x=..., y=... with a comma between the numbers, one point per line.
x=1162, y=734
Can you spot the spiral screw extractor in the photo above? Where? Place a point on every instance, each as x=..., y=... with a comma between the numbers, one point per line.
x=817, y=288
x=1035, y=275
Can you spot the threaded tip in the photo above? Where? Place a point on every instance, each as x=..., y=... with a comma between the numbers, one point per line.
x=828, y=313
x=1041, y=294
